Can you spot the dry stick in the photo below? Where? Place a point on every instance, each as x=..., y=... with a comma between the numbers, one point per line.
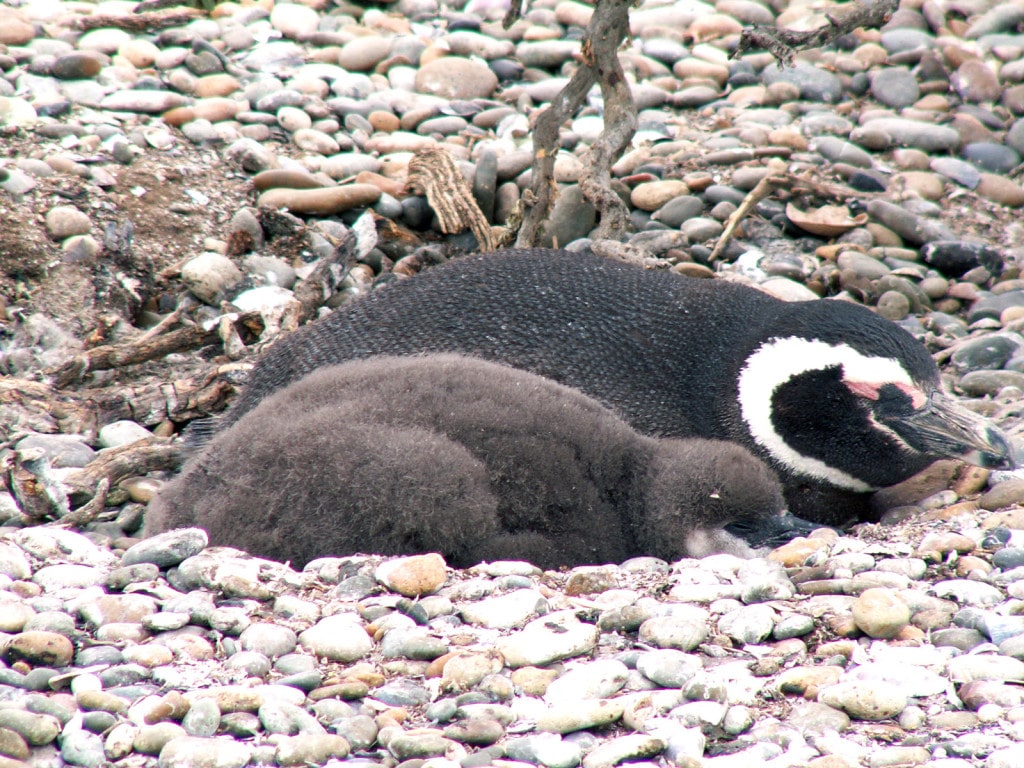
x=767, y=186
x=140, y=22
x=784, y=43
x=115, y=464
x=89, y=511
x=137, y=351
x=608, y=29
x=81, y=412
x=545, y=144
x=764, y=187
x=312, y=292
x=434, y=171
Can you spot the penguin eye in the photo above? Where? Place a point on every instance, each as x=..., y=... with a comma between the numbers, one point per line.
x=893, y=400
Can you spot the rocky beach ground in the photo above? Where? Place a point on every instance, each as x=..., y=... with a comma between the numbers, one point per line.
x=132, y=164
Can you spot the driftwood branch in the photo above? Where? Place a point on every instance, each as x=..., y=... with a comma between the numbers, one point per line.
x=33, y=406
x=41, y=496
x=764, y=187
x=608, y=27
x=115, y=464
x=140, y=22
x=433, y=170
x=145, y=348
x=783, y=44
x=794, y=186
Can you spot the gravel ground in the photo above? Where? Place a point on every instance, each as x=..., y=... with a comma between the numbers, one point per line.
x=131, y=168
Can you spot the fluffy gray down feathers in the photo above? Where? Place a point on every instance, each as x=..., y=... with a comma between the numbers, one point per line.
x=472, y=459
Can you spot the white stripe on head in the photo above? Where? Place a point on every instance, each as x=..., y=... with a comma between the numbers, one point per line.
x=779, y=360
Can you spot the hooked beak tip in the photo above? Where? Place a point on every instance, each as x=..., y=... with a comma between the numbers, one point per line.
x=946, y=429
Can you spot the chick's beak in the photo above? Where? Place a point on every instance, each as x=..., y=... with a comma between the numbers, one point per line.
x=945, y=429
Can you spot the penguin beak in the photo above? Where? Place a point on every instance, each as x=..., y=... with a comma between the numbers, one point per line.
x=945, y=429
x=771, y=530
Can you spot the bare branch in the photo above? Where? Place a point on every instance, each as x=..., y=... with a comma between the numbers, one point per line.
x=146, y=348
x=783, y=44
x=115, y=464
x=140, y=22
x=608, y=28
x=601, y=52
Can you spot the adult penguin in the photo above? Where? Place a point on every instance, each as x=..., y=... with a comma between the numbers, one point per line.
x=839, y=401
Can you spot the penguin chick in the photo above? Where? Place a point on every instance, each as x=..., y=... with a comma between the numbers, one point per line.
x=839, y=401
x=475, y=460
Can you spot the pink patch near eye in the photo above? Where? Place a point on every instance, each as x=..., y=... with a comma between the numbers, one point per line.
x=917, y=398
x=869, y=390
x=864, y=389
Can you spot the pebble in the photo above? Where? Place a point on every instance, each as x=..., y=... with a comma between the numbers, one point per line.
x=321, y=201
x=865, y=700
x=881, y=613
x=339, y=638
x=413, y=576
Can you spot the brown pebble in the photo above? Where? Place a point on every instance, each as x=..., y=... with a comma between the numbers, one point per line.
x=382, y=120
x=79, y=65
x=692, y=269
x=836, y=648
x=346, y=691
x=534, y=681
x=932, y=619
x=881, y=613
x=979, y=692
x=1011, y=315
x=972, y=479
x=910, y=635
x=40, y=648
x=12, y=747
x=436, y=667
x=654, y=194
x=953, y=721
x=797, y=551
x=326, y=201
x=1005, y=494
x=1002, y=190
x=968, y=565
x=413, y=576
x=286, y=178
x=218, y=84
x=842, y=626
x=589, y=581
x=937, y=477
x=178, y=116
x=1011, y=518
x=801, y=680
x=217, y=109
x=944, y=543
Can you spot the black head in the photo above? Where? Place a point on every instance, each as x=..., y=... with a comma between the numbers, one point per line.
x=850, y=399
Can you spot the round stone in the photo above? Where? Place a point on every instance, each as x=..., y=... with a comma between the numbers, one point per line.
x=65, y=221
x=453, y=77
x=413, y=576
x=864, y=699
x=880, y=613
